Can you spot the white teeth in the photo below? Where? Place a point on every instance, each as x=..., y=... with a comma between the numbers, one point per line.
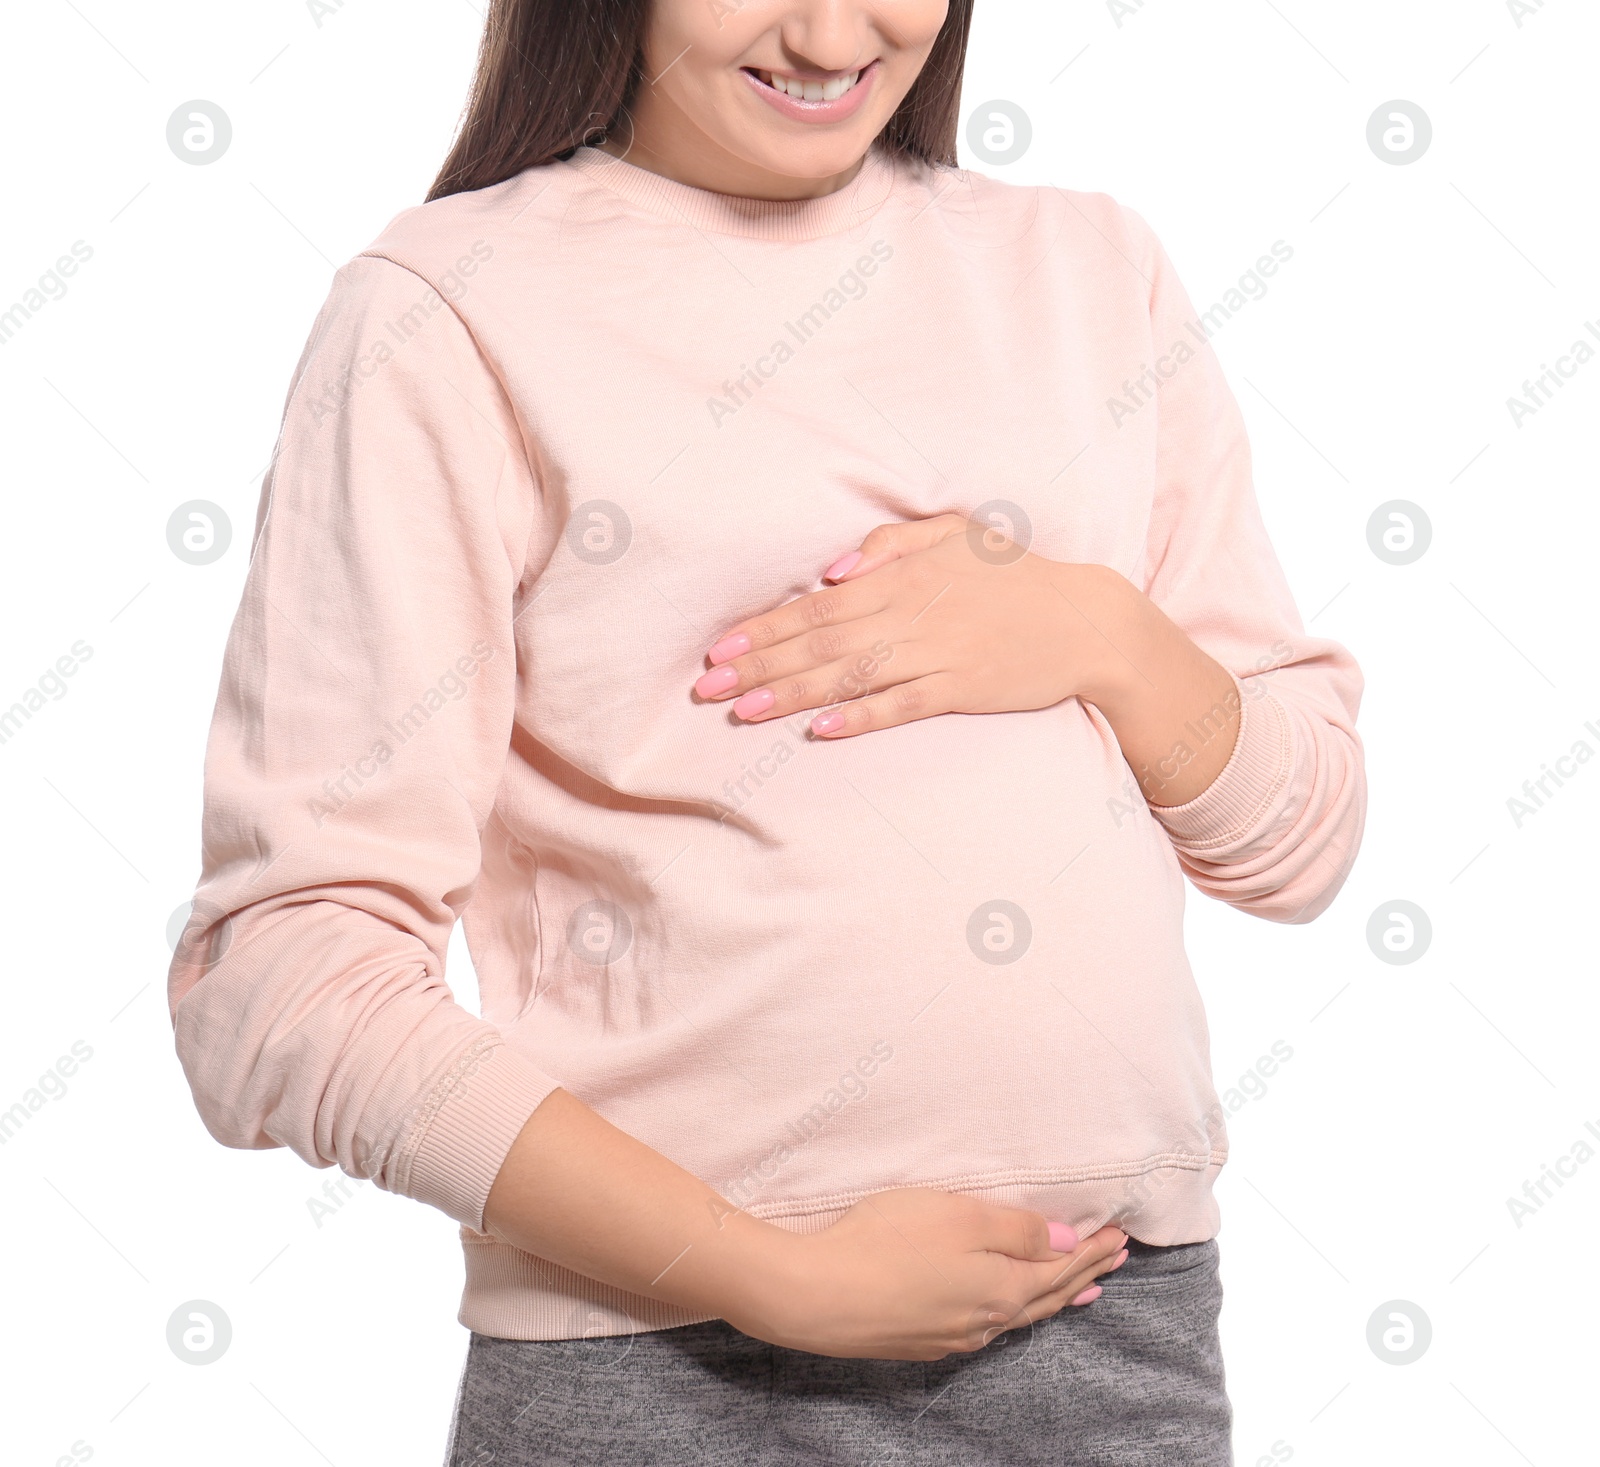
x=811, y=91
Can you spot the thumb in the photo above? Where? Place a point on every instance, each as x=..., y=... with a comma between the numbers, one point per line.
x=891, y=542
x=1021, y=1233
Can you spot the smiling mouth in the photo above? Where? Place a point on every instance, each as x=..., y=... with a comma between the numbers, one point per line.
x=810, y=89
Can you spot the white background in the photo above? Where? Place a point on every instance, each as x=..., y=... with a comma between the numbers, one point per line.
x=1377, y=1164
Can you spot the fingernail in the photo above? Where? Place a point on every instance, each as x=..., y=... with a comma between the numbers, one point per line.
x=1122, y=1258
x=718, y=680
x=1089, y=1295
x=827, y=723
x=755, y=703
x=842, y=566
x=729, y=647
x=1062, y=1238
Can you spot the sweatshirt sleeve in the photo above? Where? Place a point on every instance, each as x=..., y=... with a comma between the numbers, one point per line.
x=1277, y=831
x=361, y=726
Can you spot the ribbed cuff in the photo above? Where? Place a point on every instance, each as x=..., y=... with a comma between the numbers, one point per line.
x=1249, y=782
x=473, y=1116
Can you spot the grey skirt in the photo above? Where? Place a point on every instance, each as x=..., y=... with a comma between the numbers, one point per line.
x=1134, y=1379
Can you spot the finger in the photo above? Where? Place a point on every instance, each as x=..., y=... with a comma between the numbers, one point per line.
x=1074, y=1295
x=920, y=697
x=1071, y=1290
x=1017, y=1232
x=891, y=542
x=1077, y=1291
x=1075, y=1287
x=815, y=671
x=1083, y=1280
x=832, y=607
x=877, y=672
x=1027, y=1235
x=1020, y=1232
x=1081, y=1267
x=1047, y=1305
x=1041, y=1309
x=1097, y=1250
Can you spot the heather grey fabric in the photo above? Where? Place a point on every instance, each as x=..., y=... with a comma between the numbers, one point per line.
x=1133, y=1380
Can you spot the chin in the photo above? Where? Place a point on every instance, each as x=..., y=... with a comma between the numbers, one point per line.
x=805, y=157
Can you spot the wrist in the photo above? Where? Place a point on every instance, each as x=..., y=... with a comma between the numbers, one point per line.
x=754, y=1267
x=786, y=1297
x=1104, y=623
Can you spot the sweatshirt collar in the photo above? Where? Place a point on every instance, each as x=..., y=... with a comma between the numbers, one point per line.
x=775, y=219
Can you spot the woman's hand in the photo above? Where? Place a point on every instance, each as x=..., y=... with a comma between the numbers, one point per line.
x=947, y=615
x=908, y=1274
x=918, y=1274
x=931, y=616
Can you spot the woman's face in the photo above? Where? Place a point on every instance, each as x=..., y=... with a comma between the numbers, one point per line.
x=708, y=111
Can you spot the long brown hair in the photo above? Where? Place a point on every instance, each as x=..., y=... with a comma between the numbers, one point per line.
x=555, y=74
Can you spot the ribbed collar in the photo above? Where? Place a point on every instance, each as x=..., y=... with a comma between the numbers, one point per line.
x=776, y=219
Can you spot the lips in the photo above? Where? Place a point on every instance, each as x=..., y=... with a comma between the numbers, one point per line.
x=819, y=97
x=804, y=89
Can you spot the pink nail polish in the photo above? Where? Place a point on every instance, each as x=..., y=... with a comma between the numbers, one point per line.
x=827, y=723
x=729, y=648
x=755, y=703
x=1062, y=1238
x=842, y=566
x=1089, y=1295
x=718, y=680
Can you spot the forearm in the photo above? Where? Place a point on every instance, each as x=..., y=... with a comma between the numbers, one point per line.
x=904, y=1274
x=579, y=1192
x=1173, y=708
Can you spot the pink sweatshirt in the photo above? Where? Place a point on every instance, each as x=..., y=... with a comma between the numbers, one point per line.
x=547, y=442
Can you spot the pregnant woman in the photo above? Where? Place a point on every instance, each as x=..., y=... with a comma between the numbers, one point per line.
x=803, y=606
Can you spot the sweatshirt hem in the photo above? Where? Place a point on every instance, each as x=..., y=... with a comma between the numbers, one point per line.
x=1163, y=1199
